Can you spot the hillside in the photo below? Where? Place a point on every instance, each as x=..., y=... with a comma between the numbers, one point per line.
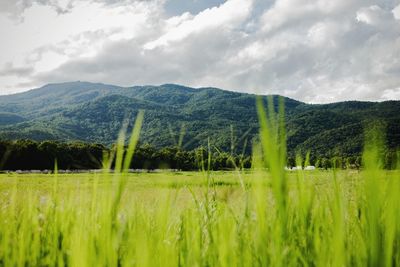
x=178, y=115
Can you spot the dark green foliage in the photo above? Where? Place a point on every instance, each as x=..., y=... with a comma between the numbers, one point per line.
x=178, y=116
x=32, y=155
x=149, y=157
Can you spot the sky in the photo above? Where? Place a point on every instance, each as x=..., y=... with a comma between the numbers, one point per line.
x=317, y=51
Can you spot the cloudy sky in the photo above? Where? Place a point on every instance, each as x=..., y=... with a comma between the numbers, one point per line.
x=312, y=50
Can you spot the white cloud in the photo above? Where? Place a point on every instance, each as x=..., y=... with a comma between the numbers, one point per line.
x=44, y=39
x=374, y=15
x=228, y=15
x=396, y=12
x=312, y=50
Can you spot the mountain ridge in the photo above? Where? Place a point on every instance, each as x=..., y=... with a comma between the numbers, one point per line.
x=95, y=112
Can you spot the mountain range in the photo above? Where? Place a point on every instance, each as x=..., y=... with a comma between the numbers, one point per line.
x=187, y=117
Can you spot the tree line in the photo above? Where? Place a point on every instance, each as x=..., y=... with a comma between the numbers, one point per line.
x=34, y=155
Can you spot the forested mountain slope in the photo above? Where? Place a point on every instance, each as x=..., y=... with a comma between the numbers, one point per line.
x=188, y=117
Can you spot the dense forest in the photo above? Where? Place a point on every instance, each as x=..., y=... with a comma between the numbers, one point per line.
x=189, y=118
x=32, y=155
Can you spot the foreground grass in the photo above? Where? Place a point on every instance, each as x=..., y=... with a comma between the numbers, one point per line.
x=198, y=219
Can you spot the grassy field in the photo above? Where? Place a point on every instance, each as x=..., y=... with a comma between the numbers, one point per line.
x=199, y=219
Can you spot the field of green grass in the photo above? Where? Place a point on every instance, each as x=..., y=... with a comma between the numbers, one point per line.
x=199, y=219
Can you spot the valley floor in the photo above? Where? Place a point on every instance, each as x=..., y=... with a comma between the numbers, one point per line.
x=314, y=218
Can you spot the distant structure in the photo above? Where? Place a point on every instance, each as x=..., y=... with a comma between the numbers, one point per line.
x=299, y=168
x=309, y=168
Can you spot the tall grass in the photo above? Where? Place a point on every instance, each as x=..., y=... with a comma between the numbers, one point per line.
x=330, y=218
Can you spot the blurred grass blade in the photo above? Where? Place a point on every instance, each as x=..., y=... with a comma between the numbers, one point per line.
x=133, y=140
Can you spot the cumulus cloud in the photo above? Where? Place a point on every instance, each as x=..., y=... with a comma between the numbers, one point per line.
x=229, y=15
x=10, y=70
x=15, y=8
x=312, y=50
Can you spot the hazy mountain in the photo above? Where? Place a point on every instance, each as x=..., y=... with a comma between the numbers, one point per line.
x=175, y=114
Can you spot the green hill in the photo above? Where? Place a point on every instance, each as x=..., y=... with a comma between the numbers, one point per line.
x=178, y=115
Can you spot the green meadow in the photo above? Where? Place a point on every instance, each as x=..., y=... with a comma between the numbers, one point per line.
x=199, y=219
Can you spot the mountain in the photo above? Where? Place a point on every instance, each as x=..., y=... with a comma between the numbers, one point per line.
x=174, y=115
